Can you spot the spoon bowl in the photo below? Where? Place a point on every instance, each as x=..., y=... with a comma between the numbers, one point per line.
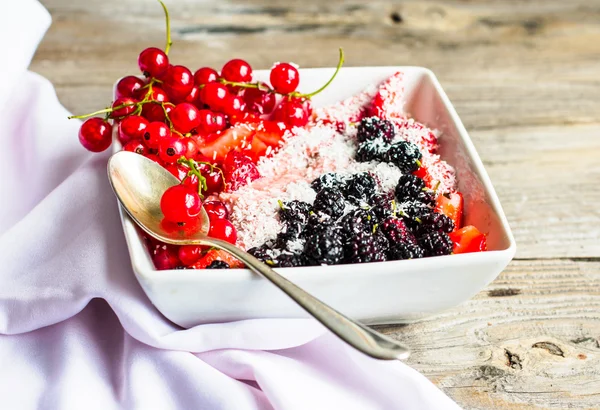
x=139, y=184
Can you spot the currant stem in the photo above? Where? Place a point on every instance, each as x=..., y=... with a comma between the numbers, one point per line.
x=337, y=69
x=193, y=166
x=168, y=20
x=106, y=110
x=162, y=105
x=110, y=109
x=241, y=85
x=80, y=117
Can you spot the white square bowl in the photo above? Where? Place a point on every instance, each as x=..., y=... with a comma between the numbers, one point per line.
x=382, y=292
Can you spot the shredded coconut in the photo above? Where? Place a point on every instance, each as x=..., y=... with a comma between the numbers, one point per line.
x=328, y=144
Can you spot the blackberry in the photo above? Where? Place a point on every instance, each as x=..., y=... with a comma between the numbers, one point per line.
x=289, y=239
x=324, y=247
x=396, y=231
x=372, y=150
x=409, y=187
x=329, y=180
x=373, y=127
x=411, y=211
x=434, y=222
x=294, y=211
x=405, y=155
x=427, y=197
x=405, y=250
x=357, y=221
x=330, y=201
x=436, y=243
x=288, y=260
x=218, y=265
x=381, y=205
x=364, y=248
x=291, y=230
x=360, y=188
x=381, y=240
x=318, y=221
x=262, y=253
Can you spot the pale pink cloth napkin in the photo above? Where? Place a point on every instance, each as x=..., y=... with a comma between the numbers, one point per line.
x=76, y=330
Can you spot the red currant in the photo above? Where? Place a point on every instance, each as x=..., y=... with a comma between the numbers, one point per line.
x=185, y=117
x=216, y=210
x=180, y=204
x=259, y=101
x=135, y=146
x=234, y=106
x=189, y=254
x=222, y=229
x=178, y=82
x=211, y=122
x=132, y=128
x=171, y=149
x=154, y=112
x=156, y=132
x=191, y=148
x=158, y=94
x=205, y=75
x=95, y=134
x=126, y=104
x=307, y=104
x=191, y=181
x=292, y=113
x=284, y=78
x=165, y=257
x=154, y=158
x=194, y=96
x=214, y=179
x=128, y=86
x=153, y=62
x=214, y=95
x=178, y=171
x=237, y=70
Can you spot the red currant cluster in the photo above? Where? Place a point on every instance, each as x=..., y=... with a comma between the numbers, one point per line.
x=171, y=103
x=193, y=256
x=207, y=128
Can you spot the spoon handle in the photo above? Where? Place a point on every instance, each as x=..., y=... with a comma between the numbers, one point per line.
x=359, y=336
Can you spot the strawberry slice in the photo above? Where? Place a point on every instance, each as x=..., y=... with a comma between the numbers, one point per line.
x=252, y=137
x=236, y=137
x=238, y=170
x=424, y=174
x=451, y=206
x=270, y=132
x=217, y=255
x=468, y=239
x=387, y=103
x=256, y=149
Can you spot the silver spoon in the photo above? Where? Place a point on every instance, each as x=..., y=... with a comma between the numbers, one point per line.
x=139, y=184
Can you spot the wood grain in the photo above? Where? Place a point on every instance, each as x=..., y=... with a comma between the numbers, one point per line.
x=524, y=77
x=529, y=341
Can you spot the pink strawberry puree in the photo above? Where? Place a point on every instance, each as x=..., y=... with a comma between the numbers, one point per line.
x=327, y=145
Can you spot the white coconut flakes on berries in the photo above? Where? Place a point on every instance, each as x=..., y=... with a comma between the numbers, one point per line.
x=328, y=144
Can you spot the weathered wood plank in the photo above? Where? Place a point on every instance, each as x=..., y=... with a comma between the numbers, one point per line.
x=503, y=64
x=531, y=340
x=546, y=179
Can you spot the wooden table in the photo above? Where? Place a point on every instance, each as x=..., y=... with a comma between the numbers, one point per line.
x=525, y=78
